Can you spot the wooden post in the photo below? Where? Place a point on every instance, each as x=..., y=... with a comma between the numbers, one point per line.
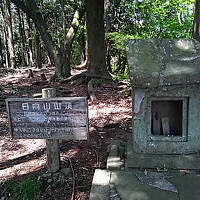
x=53, y=149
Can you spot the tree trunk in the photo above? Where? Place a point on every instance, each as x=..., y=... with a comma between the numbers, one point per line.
x=70, y=36
x=57, y=30
x=30, y=42
x=66, y=48
x=38, y=57
x=124, y=64
x=108, y=29
x=62, y=2
x=96, y=37
x=196, y=23
x=108, y=56
x=23, y=40
x=8, y=24
x=23, y=17
x=7, y=63
x=83, y=45
x=1, y=54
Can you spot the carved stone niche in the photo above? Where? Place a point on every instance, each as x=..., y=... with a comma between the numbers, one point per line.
x=165, y=78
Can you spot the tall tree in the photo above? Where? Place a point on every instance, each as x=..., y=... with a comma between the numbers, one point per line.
x=30, y=41
x=23, y=38
x=6, y=52
x=71, y=34
x=62, y=2
x=38, y=56
x=108, y=29
x=1, y=53
x=196, y=24
x=96, y=37
x=8, y=28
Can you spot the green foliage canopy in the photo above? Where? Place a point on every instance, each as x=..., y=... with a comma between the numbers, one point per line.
x=140, y=19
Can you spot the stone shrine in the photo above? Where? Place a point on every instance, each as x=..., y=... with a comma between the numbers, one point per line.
x=165, y=78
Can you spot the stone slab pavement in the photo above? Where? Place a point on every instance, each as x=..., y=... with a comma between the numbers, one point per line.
x=127, y=186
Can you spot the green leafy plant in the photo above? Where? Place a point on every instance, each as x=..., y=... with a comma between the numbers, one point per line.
x=26, y=189
x=120, y=76
x=123, y=77
x=162, y=168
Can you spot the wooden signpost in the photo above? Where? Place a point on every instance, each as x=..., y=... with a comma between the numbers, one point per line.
x=49, y=118
x=53, y=118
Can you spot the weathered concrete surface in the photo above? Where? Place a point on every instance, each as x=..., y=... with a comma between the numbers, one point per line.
x=156, y=179
x=161, y=62
x=100, y=185
x=188, y=186
x=143, y=160
x=165, y=70
x=128, y=187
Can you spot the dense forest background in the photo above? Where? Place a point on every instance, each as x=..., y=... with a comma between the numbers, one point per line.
x=71, y=33
x=71, y=45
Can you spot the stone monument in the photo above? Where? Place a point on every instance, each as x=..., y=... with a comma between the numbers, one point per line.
x=165, y=77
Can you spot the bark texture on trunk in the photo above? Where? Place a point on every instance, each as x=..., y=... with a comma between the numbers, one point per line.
x=62, y=2
x=23, y=38
x=96, y=37
x=30, y=42
x=1, y=53
x=196, y=24
x=38, y=56
x=6, y=48
x=8, y=28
